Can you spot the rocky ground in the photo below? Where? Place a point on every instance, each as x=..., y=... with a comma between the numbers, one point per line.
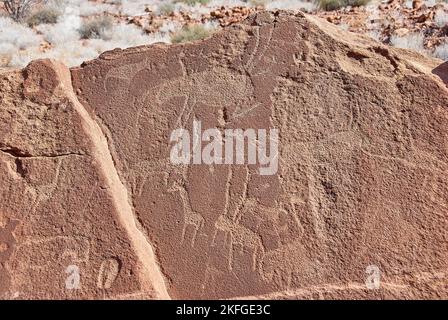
x=418, y=25
x=414, y=25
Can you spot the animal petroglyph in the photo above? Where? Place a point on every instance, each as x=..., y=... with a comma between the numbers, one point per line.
x=261, y=46
x=240, y=237
x=126, y=72
x=190, y=218
x=335, y=201
x=141, y=171
x=208, y=88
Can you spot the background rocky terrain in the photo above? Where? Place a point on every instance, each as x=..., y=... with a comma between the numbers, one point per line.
x=91, y=206
x=78, y=30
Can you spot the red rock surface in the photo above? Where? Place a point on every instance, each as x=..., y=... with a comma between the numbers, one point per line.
x=62, y=202
x=86, y=178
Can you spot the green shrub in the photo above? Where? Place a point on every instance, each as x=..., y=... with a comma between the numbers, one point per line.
x=96, y=28
x=190, y=33
x=46, y=15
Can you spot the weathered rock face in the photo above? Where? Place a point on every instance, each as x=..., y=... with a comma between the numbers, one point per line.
x=66, y=226
x=361, y=183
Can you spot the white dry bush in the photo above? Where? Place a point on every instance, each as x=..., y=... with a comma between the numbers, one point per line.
x=226, y=3
x=23, y=57
x=375, y=34
x=71, y=53
x=19, y=9
x=119, y=36
x=20, y=44
x=412, y=41
x=7, y=51
x=169, y=27
x=441, y=18
x=65, y=30
x=128, y=35
x=15, y=39
x=165, y=8
x=308, y=6
x=135, y=7
x=431, y=3
x=441, y=51
x=258, y=3
x=20, y=36
x=87, y=8
x=408, y=4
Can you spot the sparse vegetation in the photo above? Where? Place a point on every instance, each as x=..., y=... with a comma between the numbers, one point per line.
x=166, y=8
x=441, y=51
x=19, y=9
x=96, y=28
x=259, y=3
x=330, y=5
x=31, y=29
x=46, y=15
x=357, y=3
x=412, y=41
x=190, y=33
x=441, y=18
x=303, y=5
x=193, y=2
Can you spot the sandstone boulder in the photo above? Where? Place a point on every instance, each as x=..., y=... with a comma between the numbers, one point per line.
x=361, y=185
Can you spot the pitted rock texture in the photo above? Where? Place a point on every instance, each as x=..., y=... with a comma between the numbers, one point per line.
x=87, y=179
x=67, y=230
